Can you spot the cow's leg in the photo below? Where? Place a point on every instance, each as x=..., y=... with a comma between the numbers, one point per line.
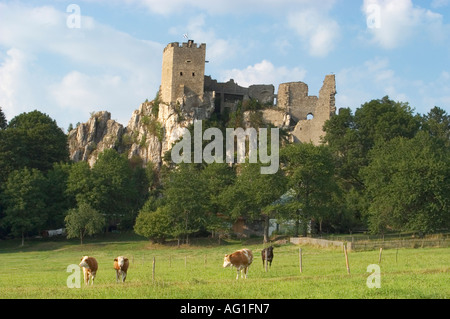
x=124, y=275
x=92, y=277
x=117, y=275
x=85, y=276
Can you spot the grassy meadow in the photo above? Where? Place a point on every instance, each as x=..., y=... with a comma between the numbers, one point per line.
x=39, y=270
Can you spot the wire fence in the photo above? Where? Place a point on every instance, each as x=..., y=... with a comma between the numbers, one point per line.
x=368, y=242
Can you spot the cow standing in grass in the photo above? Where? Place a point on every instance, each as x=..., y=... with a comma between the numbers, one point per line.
x=121, y=264
x=240, y=259
x=269, y=257
x=90, y=267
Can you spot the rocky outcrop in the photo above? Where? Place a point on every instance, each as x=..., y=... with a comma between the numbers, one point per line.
x=89, y=139
x=151, y=131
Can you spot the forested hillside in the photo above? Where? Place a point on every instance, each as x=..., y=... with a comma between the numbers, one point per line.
x=382, y=168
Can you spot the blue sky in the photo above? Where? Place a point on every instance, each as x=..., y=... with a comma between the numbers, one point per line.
x=112, y=61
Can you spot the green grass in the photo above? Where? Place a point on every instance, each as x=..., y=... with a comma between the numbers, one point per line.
x=38, y=270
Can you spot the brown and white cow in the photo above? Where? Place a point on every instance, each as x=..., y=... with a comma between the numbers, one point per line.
x=90, y=267
x=121, y=264
x=240, y=259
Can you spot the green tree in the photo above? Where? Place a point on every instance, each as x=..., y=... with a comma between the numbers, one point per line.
x=408, y=185
x=310, y=171
x=351, y=137
x=113, y=193
x=31, y=140
x=24, y=198
x=58, y=200
x=82, y=221
x=155, y=225
x=184, y=193
x=80, y=184
x=3, y=122
x=253, y=193
x=437, y=124
x=217, y=177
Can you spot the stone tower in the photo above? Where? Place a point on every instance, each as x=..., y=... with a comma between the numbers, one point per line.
x=183, y=71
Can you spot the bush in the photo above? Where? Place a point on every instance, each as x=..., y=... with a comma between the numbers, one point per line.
x=153, y=225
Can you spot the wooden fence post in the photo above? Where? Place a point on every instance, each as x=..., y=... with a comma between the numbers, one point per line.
x=300, y=259
x=379, y=257
x=346, y=259
x=153, y=269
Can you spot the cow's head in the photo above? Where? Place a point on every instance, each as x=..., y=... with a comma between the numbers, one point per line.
x=121, y=260
x=226, y=261
x=83, y=262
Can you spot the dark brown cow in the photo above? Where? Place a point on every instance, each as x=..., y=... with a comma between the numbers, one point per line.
x=240, y=259
x=269, y=255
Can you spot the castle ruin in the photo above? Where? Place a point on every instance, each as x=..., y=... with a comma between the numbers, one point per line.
x=186, y=95
x=183, y=81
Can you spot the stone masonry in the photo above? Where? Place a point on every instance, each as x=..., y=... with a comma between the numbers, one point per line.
x=183, y=81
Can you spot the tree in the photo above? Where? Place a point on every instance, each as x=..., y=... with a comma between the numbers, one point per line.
x=113, y=192
x=82, y=221
x=351, y=137
x=217, y=177
x=3, y=122
x=31, y=140
x=437, y=124
x=155, y=225
x=184, y=193
x=58, y=200
x=408, y=185
x=253, y=193
x=80, y=183
x=24, y=198
x=310, y=171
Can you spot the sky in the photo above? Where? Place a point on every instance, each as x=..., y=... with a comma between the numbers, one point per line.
x=71, y=58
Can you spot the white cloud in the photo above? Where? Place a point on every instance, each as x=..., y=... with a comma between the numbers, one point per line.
x=393, y=23
x=98, y=67
x=318, y=31
x=167, y=7
x=14, y=77
x=371, y=80
x=375, y=78
x=440, y=3
x=217, y=49
x=264, y=73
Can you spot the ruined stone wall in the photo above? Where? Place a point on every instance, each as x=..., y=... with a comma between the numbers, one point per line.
x=294, y=98
x=311, y=129
x=183, y=70
x=230, y=92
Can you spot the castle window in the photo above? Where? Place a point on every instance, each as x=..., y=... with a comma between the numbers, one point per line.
x=181, y=73
x=310, y=116
x=193, y=73
x=188, y=61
